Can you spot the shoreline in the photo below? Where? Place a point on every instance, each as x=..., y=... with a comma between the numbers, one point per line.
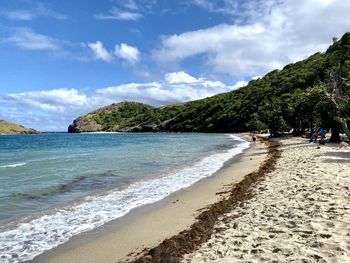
x=148, y=225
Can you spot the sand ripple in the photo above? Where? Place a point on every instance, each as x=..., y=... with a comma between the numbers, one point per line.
x=301, y=213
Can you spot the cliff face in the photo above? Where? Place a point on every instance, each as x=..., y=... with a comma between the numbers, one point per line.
x=281, y=100
x=11, y=128
x=81, y=125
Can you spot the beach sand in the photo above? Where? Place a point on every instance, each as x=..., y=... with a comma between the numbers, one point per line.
x=148, y=226
x=300, y=212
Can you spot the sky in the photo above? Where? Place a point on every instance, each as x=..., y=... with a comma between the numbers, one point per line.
x=62, y=59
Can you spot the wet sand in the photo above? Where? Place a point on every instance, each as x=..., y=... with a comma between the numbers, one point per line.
x=147, y=226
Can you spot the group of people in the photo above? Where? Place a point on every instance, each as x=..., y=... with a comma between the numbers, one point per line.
x=319, y=135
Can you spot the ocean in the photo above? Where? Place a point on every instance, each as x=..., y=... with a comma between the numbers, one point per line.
x=54, y=186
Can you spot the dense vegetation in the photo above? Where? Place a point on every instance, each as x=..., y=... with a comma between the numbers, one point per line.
x=11, y=128
x=301, y=97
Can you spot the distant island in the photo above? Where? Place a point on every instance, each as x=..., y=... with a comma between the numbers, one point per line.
x=302, y=97
x=12, y=128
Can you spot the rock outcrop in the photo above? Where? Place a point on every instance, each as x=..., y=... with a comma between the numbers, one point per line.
x=80, y=125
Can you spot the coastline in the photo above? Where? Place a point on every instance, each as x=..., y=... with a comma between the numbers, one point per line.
x=147, y=226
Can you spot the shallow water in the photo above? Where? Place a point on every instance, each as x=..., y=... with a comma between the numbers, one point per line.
x=54, y=186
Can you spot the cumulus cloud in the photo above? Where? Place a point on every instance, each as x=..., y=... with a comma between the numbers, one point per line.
x=180, y=77
x=283, y=31
x=57, y=100
x=26, y=38
x=119, y=14
x=123, y=51
x=47, y=110
x=56, y=109
x=176, y=87
x=129, y=53
x=100, y=52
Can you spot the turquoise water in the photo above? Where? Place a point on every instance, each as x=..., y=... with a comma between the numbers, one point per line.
x=54, y=186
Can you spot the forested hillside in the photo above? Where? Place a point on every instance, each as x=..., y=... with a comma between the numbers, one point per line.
x=305, y=95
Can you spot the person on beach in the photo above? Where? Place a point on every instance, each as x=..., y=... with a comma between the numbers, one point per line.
x=253, y=137
x=322, y=133
x=314, y=137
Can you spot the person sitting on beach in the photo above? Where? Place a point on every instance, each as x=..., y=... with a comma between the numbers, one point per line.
x=314, y=137
x=322, y=134
x=344, y=146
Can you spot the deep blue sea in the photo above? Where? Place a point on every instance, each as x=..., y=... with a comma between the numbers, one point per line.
x=56, y=185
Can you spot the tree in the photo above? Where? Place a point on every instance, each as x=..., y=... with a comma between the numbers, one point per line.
x=255, y=124
x=271, y=114
x=339, y=85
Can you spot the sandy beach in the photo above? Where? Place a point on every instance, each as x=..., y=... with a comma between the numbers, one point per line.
x=147, y=226
x=299, y=213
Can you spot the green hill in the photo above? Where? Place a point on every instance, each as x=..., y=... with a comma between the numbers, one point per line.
x=295, y=98
x=11, y=128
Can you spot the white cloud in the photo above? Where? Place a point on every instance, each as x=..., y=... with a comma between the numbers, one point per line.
x=241, y=12
x=129, y=53
x=204, y=3
x=118, y=14
x=176, y=87
x=239, y=84
x=20, y=15
x=47, y=110
x=56, y=100
x=40, y=10
x=26, y=38
x=100, y=52
x=269, y=35
x=179, y=77
x=56, y=109
x=130, y=4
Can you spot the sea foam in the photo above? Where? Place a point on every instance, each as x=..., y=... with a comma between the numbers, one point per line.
x=12, y=165
x=31, y=238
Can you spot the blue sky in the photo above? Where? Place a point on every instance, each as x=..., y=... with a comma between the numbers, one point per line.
x=62, y=59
